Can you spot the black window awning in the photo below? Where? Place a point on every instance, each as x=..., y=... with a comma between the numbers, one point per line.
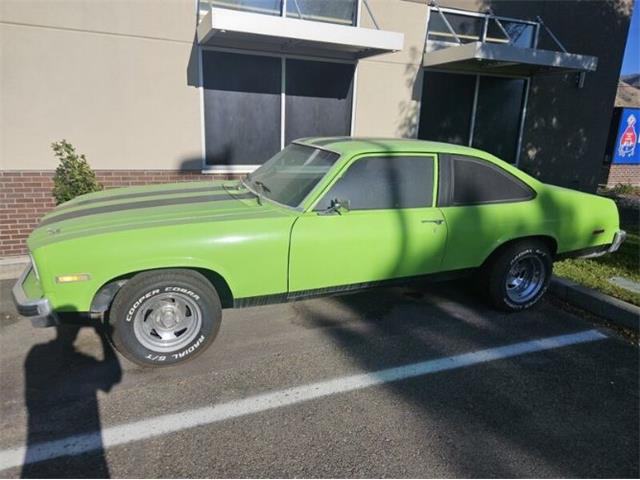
x=506, y=59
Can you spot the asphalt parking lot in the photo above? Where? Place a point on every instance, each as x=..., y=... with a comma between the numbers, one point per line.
x=398, y=382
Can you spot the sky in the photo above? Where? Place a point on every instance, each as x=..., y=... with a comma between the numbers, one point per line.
x=631, y=62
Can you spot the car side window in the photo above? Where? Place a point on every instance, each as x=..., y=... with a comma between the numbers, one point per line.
x=385, y=182
x=470, y=181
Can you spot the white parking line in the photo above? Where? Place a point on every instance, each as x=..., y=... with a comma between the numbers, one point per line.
x=165, y=424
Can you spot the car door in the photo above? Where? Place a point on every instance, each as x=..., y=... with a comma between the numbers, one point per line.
x=390, y=228
x=484, y=206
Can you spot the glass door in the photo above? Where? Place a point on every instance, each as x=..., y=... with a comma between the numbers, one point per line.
x=497, y=117
x=484, y=112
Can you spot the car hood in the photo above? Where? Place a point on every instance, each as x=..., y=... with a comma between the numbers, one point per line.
x=148, y=206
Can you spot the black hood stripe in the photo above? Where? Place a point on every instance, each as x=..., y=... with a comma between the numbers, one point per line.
x=160, y=202
x=127, y=196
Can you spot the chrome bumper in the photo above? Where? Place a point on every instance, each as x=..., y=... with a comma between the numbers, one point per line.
x=596, y=252
x=618, y=238
x=39, y=310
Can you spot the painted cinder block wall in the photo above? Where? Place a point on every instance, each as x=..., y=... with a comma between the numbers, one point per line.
x=110, y=77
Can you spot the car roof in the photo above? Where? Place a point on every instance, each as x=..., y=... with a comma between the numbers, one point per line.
x=352, y=145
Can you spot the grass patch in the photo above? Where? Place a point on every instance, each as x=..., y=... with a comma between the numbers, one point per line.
x=595, y=272
x=624, y=189
x=621, y=189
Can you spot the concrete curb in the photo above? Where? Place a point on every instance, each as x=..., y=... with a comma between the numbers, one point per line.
x=12, y=267
x=10, y=270
x=611, y=309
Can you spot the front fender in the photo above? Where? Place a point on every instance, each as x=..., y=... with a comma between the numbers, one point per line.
x=106, y=281
x=251, y=258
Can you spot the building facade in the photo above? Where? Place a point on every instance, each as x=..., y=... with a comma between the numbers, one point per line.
x=173, y=90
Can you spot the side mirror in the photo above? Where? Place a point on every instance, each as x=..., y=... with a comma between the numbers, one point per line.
x=338, y=206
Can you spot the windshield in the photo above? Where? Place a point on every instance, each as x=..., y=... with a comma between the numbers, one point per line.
x=290, y=175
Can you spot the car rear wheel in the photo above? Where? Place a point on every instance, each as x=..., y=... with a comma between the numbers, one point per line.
x=164, y=317
x=519, y=275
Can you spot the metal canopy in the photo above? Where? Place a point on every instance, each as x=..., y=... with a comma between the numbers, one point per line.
x=505, y=59
x=235, y=29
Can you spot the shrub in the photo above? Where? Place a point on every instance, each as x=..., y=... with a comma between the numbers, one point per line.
x=625, y=189
x=73, y=176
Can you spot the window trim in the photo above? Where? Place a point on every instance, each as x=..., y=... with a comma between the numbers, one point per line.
x=244, y=169
x=445, y=182
x=324, y=190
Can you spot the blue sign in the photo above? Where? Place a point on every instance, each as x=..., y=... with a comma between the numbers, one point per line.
x=627, y=149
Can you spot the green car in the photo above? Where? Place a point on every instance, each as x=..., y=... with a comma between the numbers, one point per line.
x=325, y=215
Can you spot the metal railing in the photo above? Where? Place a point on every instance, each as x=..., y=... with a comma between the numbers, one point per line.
x=458, y=26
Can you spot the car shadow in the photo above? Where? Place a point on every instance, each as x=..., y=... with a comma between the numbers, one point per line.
x=55, y=373
x=523, y=417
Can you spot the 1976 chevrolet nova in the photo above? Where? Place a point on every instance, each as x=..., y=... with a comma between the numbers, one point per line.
x=325, y=215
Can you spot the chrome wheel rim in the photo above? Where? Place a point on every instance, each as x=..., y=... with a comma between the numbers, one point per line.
x=167, y=322
x=525, y=279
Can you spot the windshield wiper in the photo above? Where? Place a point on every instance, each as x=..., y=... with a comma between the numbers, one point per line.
x=258, y=197
x=262, y=186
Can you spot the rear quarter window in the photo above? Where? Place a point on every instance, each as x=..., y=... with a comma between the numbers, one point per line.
x=466, y=180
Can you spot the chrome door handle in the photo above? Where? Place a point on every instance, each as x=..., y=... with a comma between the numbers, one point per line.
x=437, y=222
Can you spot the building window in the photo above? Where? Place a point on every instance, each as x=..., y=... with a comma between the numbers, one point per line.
x=318, y=99
x=474, y=108
x=246, y=120
x=468, y=28
x=384, y=183
x=446, y=107
x=241, y=108
x=267, y=7
x=332, y=11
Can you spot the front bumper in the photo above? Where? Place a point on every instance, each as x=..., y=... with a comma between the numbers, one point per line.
x=38, y=309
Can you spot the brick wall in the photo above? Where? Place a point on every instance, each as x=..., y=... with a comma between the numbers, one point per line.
x=625, y=174
x=25, y=196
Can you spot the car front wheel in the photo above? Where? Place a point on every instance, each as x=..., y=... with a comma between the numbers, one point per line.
x=165, y=317
x=519, y=275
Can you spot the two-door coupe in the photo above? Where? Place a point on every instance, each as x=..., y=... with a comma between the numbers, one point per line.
x=158, y=263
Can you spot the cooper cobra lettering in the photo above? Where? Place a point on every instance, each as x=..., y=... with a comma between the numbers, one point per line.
x=183, y=290
x=138, y=302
